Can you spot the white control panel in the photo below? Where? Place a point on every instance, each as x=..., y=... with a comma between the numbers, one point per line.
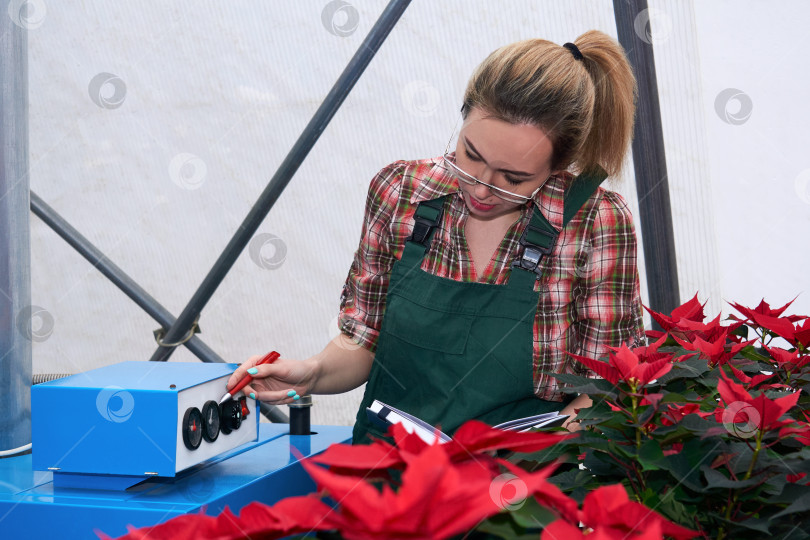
x=206, y=429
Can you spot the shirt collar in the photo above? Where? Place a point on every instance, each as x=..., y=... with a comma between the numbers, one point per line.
x=434, y=182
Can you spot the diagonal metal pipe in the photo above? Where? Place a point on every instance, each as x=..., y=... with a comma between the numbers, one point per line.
x=285, y=172
x=649, y=158
x=134, y=291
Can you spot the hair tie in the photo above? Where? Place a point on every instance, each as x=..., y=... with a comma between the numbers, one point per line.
x=574, y=50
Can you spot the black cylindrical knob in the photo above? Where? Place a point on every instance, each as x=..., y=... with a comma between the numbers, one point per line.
x=299, y=416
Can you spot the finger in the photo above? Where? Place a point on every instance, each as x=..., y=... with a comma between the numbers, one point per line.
x=278, y=397
x=250, y=392
x=241, y=370
x=273, y=371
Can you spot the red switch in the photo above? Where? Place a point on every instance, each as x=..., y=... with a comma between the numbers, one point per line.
x=243, y=404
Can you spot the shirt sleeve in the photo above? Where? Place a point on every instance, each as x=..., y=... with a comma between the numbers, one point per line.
x=363, y=299
x=610, y=311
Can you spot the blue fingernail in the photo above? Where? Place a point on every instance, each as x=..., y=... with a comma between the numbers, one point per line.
x=253, y=371
x=291, y=393
x=252, y=395
x=296, y=397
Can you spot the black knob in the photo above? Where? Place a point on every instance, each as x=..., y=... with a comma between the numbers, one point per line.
x=230, y=416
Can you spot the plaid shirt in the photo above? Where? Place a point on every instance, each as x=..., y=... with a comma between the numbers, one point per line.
x=589, y=285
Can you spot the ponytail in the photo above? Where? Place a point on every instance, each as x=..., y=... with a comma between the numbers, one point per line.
x=614, y=102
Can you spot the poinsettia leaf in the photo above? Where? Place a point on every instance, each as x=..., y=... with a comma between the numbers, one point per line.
x=752, y=524
x=650, y=454
x=569, y=378
x=691, y=368
x=546, y=455
x=696, y=424
x=715, y=479
x=673, y=397
x=790, y=493
x=584, y=385
x=684, y=465
x=531, y=515
x=503, y=526
x=754, y=353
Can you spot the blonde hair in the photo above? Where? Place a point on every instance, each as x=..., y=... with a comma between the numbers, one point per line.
x=586, y=107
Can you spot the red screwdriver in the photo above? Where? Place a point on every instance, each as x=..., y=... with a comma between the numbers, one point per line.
x=247, y=379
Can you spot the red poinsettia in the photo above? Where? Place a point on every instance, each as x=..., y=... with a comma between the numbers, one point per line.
x=624, y=365
x=787, y=360
x=437, y=498
x=608, y=514
x=717, y=352
x=675, y=413
x=759, y=412
x=800, y=430
x=294, y=515
x=801, y=335
x=691, y=310
x=472, y=441
x=750, y=382
x=772, y=319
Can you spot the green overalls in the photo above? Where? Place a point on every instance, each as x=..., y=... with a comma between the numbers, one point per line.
x=450, y=351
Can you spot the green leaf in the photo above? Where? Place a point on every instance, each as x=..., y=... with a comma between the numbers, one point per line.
x=754, y=524
x=546, y=455
x=685, y=465
x=696, y=424
x=573, y=479
x=716, y=479
x=673, y=397
x=791, y=492
x=585, y=385
x=531, y=515
x=690, y=369
x=649, y=455
x=751, y=353
x=502, y=526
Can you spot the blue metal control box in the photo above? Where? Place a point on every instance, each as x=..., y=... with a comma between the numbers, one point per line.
x=134, y=420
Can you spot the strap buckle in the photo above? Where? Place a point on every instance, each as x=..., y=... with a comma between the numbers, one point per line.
x=542, y=243
x=421, y=229
x=426, y=218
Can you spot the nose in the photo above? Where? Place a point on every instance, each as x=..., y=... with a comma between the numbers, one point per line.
x=481, y=191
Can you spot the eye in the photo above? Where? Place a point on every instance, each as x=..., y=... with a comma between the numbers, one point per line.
x=470, y=156
x=512, y=181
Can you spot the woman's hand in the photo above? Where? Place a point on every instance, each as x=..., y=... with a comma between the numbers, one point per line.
x=272, y=382
x=582, y=401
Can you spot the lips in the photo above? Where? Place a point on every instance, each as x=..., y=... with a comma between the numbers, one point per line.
x=481, y=207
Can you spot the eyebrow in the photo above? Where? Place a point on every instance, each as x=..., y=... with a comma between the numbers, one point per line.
x=516, y=173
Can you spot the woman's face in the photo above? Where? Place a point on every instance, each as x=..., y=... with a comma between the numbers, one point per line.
x=514, y=157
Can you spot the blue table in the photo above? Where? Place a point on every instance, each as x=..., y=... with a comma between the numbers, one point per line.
x=265, y=471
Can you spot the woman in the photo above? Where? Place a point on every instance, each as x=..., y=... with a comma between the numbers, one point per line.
x=479, y=270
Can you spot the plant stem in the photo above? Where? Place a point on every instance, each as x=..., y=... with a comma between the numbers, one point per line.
x=756, y=454
x=730, y=505
x=635, y=420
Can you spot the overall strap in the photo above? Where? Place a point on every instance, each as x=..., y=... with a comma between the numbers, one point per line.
x=539, y=237
x=427, y=217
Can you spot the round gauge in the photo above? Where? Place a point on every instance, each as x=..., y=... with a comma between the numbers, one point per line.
x=192, y=428
x=210, y=416
x=230, y=416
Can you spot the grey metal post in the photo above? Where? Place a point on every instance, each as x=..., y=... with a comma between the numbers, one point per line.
x=285, y=172
x=649, y=158
x=15, y=255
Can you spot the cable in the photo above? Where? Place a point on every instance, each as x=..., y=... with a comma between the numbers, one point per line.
x=15, y=451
